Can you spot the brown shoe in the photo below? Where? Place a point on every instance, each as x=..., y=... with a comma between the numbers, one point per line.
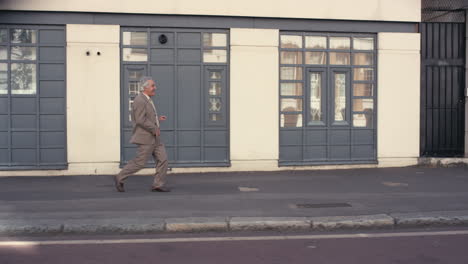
x=160, y=189
x=118, y=185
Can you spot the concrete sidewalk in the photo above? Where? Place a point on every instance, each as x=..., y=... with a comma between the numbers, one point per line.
x=292, y=200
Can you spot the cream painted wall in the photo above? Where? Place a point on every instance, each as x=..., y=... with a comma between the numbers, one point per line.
x=93, y=97
x=398, y=98
x=387, y=10
x=254, y=98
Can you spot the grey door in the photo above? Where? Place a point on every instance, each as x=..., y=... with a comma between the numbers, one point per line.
x=327, y=99
x=32, y=97
x=190, y=68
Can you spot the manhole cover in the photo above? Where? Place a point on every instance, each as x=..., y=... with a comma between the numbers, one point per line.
x=323, y=205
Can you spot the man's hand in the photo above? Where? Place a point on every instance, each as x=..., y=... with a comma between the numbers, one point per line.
x=162, y=118
x=157, y=132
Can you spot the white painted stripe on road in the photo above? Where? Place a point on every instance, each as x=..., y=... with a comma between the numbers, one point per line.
x=211, y=239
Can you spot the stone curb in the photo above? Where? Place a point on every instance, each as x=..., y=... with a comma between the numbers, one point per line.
x=222, y=224
x=197, y=224
x=352, y=222
x=443, y=162
x=268, y=223
x=447, y=218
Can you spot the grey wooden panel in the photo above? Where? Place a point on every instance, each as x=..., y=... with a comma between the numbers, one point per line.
x=23, y=121
x=129, y=152
x=52, y=105
x=52, y=53
x=189, y=39
x=170, y=152
x=49, y=36
x=189, y=154
x=3, y=122
x=215, y=138
x=23, y=140
x=52, y=88
x=23, y=105
x=3, y=139
x=162, y=56
x=3, y=105
x=215, y=154
x=4, y=156
x=23, y=156
x=164, y=99
x=315, y=153
x=154, y=39
x=188, y=56
x=189, y=102
x=291, y=153
x=53, y=139
x=126, y=138
x=51, y=71
x=53, y=155
x=291, y=137
x=167, y=137
x=316, y=137
x=363, y=136
x=363, y=152
x=189, y=138
x=339, y=152
x=52, y=122
x=339, y=137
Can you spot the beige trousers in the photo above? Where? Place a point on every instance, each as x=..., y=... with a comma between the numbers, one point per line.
x=158, y=151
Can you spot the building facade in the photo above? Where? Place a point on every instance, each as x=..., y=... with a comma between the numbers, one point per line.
x=245, y=85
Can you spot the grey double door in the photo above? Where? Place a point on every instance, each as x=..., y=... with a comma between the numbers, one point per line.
x=190, y=69
x=32, y=97
x=327, y=98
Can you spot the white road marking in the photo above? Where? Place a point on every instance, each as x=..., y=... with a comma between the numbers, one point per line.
x=247, y=189
x=211, y=239
x=395, y=184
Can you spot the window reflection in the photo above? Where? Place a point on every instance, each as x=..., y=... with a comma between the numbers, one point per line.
x=291, y=73
x=340, y=43
x=3, y=53
x=23, y=78
x=363, y=74
x=339, y=58
x=214, y=40
x=363, y=120
x=315, y=42
x=217, y=56
x=291, y=105
x=132, y=54
x=361, y=105
x=291, y=89
x=363, y=43
x=3, y=78
x=315, y=97
x=363, y=59
x=291, y=42
x=316, y=57
x=135, y=38
x=340, y=97
x=291, y=57
x=23, y=36
x=291, y=120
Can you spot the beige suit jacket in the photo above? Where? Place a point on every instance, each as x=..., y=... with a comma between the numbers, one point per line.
x=144, y=121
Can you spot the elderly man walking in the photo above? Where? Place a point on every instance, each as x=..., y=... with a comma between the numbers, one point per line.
x=146, y=134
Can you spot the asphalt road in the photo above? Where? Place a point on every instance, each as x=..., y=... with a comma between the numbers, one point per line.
x=400, y=246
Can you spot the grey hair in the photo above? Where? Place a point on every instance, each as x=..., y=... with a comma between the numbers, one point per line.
x=144, y=82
